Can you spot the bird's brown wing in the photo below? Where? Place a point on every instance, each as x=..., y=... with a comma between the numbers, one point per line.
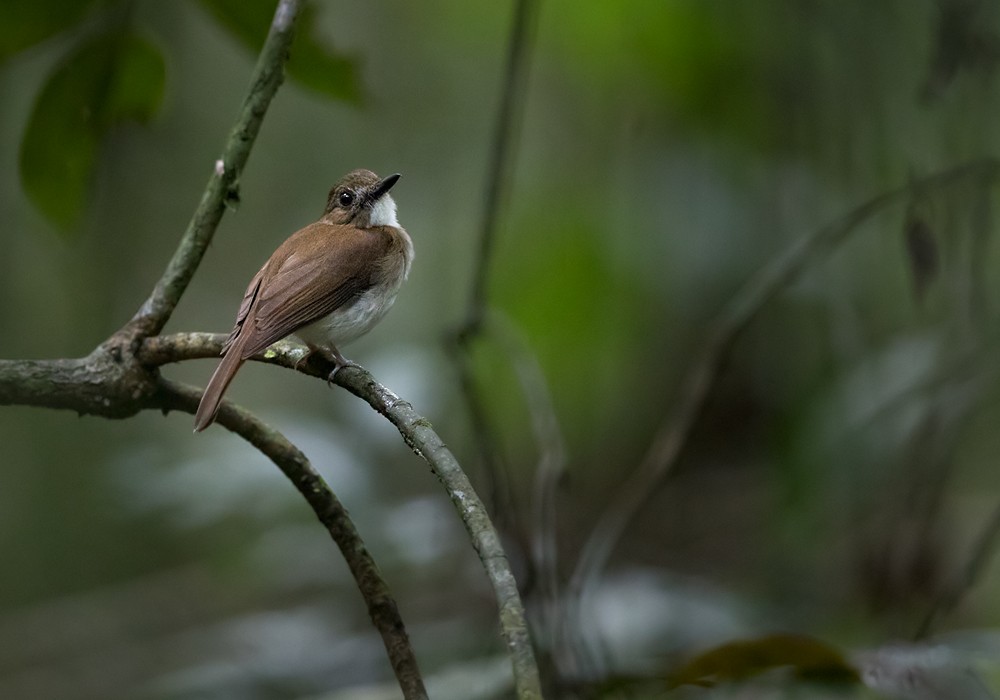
x=245, y=305
x=231, y=361
x=317, y=270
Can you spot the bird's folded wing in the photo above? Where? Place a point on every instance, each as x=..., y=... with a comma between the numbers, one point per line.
x=245, y=305
x=305, y=286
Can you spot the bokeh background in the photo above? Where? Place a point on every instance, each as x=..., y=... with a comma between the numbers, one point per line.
x=840, y=483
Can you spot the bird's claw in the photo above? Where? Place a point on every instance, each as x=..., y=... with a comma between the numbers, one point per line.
x=339, y=365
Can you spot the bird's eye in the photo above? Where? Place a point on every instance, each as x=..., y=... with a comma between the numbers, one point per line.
x=345, y=199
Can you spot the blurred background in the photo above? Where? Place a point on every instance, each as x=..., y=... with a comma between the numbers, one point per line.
x=838, y=483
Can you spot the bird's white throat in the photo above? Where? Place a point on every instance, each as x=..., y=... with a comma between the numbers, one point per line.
x=384, y=212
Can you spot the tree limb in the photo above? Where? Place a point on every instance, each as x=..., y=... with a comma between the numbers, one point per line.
x=222, y=187
x=418, y=433
x=103, y=383
x=113, y=384
x=121, y=377
x=293, y=463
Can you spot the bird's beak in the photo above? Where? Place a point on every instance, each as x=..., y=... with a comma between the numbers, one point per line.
x=382, y=187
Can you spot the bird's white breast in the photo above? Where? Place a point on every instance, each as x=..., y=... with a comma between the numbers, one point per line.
x=351, y=321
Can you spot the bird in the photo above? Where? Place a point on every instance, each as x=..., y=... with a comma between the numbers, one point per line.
x=328, y=283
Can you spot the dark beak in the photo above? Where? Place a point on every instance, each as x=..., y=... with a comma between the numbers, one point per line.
x=382, y=187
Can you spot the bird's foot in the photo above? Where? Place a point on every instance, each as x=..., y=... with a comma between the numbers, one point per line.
x=339, y=366
x=339, y=362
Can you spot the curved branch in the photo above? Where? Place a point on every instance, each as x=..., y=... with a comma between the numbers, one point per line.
x=538, y=552
x=382, y=609
x=222, y=185
x=109, y=384
x=418, y=433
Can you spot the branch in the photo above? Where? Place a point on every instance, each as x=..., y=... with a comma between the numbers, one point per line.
x=672, y=434
x=222, y=187
x=549, y=470
x=293, y=463
x=73, y=376
x=113, y=384
x=110, y=382
x=418, y=433
x=105, y=383
x=420, y=436
x=498, y=172
x=501, y=164
x=540, y=550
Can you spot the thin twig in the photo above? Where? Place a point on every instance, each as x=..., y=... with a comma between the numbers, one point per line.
x=498, y=175
x=418, y=433
x=540, y=550
x=499, y=171
x=223, y=183
x=501, y=163
x=494, y=469
x=672, y=434
x=420, y=436
x=293, y=463
x=549, y=469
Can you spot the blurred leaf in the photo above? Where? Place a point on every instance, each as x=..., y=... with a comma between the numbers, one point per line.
x=107, y=80
x=740, y=660
x=28, y=22
x=700, y=60
x=922, y=251
x=312, y=63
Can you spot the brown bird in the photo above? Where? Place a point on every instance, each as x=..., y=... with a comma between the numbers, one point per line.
x=329, y=283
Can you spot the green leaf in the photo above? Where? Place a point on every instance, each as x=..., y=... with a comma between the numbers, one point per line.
x=28, y=22
x=312, y=63
x=737, y=661
x=107, y=80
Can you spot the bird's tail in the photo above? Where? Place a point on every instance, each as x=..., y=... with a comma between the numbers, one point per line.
x=217, y=385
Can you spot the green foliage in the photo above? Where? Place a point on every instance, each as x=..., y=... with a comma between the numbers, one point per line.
x=706, y=71
x=312, y=63
x=28, y=22
x=103, y=82
x=562, y=286
x=740, y=660
x=112, y=75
